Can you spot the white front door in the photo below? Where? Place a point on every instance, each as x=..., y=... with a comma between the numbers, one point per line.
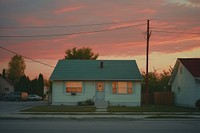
x=99, y=91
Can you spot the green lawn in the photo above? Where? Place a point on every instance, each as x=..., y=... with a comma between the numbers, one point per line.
x=61, y=108
x=152, y=108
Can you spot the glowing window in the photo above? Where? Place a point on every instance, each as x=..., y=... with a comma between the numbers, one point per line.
x=122, y=87
x=74, y=87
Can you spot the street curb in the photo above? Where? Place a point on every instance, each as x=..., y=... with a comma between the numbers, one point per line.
x=99, y=116
x=111, y=113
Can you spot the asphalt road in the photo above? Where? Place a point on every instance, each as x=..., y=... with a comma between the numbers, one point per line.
x=14, y=107
x=100, y=126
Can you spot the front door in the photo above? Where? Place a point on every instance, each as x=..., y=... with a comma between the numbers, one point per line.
x=99, y=91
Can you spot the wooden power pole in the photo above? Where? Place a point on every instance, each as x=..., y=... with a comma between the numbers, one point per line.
x=147, y=63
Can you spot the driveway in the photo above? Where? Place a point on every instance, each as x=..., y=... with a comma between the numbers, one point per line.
x=15, y=107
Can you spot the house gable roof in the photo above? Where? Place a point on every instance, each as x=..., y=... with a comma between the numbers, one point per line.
x=191, y=64
x=90, y=70
x=7, y=80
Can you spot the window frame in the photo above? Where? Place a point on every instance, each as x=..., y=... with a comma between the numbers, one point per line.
x=129, y=88
x=76, y=88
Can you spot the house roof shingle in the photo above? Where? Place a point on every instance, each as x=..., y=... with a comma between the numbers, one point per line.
x=192, y=65
x=90, y=70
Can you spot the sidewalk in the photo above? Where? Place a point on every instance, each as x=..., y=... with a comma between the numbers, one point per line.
x=100, y=115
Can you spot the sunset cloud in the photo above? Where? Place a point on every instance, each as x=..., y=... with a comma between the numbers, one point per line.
x=197, y=2
x=148, y=11
x=31, y=20
x=68, y=9
x=181, y=16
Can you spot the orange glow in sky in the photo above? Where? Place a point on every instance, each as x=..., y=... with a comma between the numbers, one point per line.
x=174, y=25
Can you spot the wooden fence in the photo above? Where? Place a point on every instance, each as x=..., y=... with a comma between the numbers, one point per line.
x=159, y=98
x=163, y=98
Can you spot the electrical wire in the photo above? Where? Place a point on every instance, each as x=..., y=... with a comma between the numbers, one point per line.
x=62, y=26
x=27, y=57
x=75, y=33
x=175, y=32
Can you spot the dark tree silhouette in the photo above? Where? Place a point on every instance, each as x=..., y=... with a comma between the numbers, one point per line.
x=40, y=82
x=23, y=85
x=34, y=86
x=84, y=53
x=16, y=68
x=158, y=82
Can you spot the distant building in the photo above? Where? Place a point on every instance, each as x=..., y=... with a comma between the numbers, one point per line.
x=5, y=86
x=185, y=81
x=46, y=92
x=113, y=82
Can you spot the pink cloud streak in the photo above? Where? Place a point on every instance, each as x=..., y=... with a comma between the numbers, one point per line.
x=147, y=11
x=68, y=9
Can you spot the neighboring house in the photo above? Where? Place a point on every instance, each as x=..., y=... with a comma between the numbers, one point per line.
x=185, y=81
x=5, y=86
x=113, y=82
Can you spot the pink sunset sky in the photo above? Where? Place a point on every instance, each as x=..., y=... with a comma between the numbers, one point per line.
x=174, y=25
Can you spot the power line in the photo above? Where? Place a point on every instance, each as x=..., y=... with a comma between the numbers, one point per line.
x=26, y=57
x=175, y=20
x=62, y=26
x=75, y=33
x=176, y=32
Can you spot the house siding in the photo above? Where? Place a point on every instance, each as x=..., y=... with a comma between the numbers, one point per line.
x=59, y=95
x=133, y=99
x=186, y=90
x=5, y=85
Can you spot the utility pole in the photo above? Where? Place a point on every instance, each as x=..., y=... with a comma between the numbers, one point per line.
x=147, y=63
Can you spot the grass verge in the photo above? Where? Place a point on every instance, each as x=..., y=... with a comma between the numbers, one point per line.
x=61, y=108
x=151, y=109
x=169, y=117
x=64, y=108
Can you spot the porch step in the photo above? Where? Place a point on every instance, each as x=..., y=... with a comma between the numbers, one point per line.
x=101, y=104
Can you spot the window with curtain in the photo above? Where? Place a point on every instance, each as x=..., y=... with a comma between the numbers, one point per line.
x=73, y=87
x=122, y=87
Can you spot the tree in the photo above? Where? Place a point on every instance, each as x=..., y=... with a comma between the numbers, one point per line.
x=34, y=86
x=23, y=85
x=157, y=81
x=84, y=53
x=37, y=86
x=40, y=90
x=16, y=68
x=153, y=81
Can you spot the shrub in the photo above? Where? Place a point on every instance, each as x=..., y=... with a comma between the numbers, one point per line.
x=88, y=102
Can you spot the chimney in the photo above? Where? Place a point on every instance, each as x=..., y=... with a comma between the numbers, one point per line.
x=101, y=64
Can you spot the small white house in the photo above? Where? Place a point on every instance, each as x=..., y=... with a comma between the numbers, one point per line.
x=185, y=81
x=5, y=86
x=113, y=82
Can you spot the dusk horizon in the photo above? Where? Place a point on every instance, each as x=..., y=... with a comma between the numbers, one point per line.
x=116, y=30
